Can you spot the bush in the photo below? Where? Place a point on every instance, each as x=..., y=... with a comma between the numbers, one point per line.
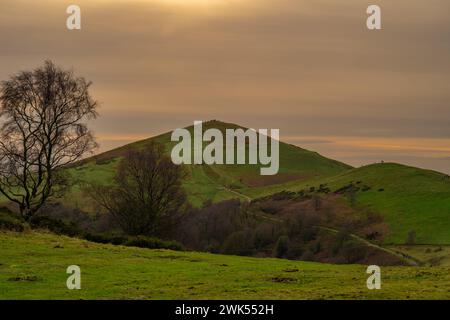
x=270, y=207
x=9, y=222
x=137, y=241
x=55, y=226
x=105, y=238
x=153, y=243
x=92, y=223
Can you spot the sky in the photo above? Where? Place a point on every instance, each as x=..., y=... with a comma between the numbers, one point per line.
x=310, y=68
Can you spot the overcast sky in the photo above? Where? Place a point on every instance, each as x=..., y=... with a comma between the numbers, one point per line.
x=308, y=67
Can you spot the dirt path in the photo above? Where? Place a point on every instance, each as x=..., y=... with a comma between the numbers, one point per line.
x=222, y=187
x=410, y=260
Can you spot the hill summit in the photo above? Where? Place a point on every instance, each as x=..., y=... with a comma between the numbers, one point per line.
x=414, y=202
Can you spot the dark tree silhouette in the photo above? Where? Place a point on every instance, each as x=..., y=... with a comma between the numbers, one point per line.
x=42, y=131
x=147, y=194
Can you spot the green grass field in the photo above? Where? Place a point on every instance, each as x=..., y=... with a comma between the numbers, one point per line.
x=33, y=266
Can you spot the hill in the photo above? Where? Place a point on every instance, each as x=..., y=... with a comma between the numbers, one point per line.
x=33, y=266
x=219, y=182
x=412, y=200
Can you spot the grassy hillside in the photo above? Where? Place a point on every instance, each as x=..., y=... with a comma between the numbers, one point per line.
x=410, y=199
x=33, y=266
x=217, y=182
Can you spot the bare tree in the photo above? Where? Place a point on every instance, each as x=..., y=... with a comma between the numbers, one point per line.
x=147, y=194
x=43, y=130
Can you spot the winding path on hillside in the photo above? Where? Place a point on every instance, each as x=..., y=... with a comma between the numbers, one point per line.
x=222, y=187
x=410, y=260
x=237, y=193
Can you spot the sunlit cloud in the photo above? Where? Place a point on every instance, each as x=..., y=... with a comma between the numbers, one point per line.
x=308, y=68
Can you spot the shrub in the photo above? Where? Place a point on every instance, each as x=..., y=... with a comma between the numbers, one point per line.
x=283, y=195
x=323, y=188
x=9, y=222
x=55, y=226
x=135, y=241
x=270, y=207
x=153, y=243
x=105, y=238
x=92, y=223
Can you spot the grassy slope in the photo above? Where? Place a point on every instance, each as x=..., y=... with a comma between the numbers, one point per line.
x=413, y=199
x=214, y=182
x=115, y=272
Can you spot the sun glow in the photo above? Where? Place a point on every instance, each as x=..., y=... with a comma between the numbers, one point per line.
x=189, y=3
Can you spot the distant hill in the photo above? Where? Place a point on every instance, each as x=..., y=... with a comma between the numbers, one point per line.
x=219, y=182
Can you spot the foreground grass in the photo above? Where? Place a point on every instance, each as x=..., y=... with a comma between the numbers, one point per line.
x=33, y=266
